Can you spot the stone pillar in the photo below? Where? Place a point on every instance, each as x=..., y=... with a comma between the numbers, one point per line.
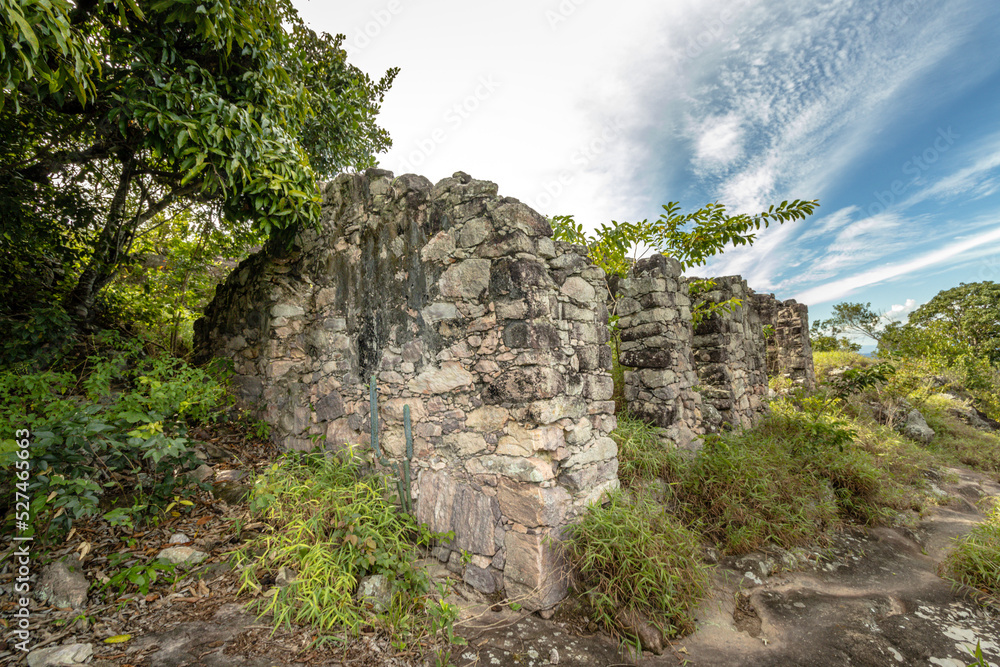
x=789, y=351
x=463, y=307
x=656, y=342
x=730, y=355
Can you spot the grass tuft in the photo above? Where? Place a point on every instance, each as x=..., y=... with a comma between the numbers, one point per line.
x=975, y=562
x=630, y=554
x=332, y=525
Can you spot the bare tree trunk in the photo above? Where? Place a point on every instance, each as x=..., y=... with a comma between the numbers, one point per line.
x=101, y=267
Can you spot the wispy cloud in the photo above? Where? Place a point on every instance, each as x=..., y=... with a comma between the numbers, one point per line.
x=840, y=288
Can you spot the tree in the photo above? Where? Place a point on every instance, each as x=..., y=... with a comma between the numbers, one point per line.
x=853, y=318
x=824, y=342
x=131, y=110
x=969, y=313
x=690, y=238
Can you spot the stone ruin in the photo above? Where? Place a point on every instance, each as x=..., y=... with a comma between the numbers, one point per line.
x=462, y=306
x=789, y=352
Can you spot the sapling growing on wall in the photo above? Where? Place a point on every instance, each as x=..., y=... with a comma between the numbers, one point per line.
x=690, y=238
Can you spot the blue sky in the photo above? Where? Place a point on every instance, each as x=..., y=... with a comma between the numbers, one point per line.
x=884, y=111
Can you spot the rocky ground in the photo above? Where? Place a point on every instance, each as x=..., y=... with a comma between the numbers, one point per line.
x=873, y=598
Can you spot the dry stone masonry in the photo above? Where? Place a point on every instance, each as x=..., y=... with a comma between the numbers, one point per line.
x=730, y=354
x=656, y=348
x=462, y=306
x=789, y=352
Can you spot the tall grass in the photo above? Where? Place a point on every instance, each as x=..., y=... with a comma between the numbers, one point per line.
x=630, y=554
x=332, y=525
x=975, y=562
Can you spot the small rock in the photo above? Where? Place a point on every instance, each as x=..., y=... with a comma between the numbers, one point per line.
x=710, y=556
x=233, y=493
x=179, y=538
x=285, y=576
x=636, y=623
x=67, y=654
x=547, y=614
x=216, y=452
x=377, y=590
x=916, y=427
x=479, y=578
x=201, y=473
x=228, y=476
x=182, y=556
x=63, y=585
x=553, y=657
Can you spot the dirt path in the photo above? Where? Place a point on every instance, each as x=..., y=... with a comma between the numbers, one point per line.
x=875, y=599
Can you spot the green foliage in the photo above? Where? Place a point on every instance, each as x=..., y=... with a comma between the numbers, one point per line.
x=632, y=555
x=826, y=361
x=641, y=456
x=178, y=262
x=932, y=349
x=968, y=314
x=857, y=380
x=848, y=318
x=975, y=561
x=805, y=468
x=142, y=576
x=822, y=342
x=691, y=238
x=957, y=440
x=36, y=338
x=142, y=106
x=334, y=525
x=117, y=427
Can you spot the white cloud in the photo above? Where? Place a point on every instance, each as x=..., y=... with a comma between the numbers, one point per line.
x=977, y=180
x=899, y=312
x=845, y=286
x=718, y=142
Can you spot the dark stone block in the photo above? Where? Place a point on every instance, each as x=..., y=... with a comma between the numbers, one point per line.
x=647, y=358
x=329, y=407
x=534, y=335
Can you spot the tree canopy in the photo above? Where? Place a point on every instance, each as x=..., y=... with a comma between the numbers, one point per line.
x=690, y=238
x=857, y=319
x=970, y=313
x=117, y=112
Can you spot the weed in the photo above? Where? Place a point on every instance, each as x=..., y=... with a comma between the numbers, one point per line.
x=117, y=426
x=334, y=525
x=140, y=576
x=975, y=561
x=632, y=555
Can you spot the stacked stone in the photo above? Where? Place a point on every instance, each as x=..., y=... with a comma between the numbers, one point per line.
x=789, y=352
x=656, y=342
x=730, y=355
x=463, y=307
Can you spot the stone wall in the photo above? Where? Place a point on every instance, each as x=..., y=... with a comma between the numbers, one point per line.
x=789, y=352
x=464, y=308
x=657, y=343
x=730, y=354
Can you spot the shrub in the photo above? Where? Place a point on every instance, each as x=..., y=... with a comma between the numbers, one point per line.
x=333, y=525
x=120, y=425
x=632, y=555
x=824, y=362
